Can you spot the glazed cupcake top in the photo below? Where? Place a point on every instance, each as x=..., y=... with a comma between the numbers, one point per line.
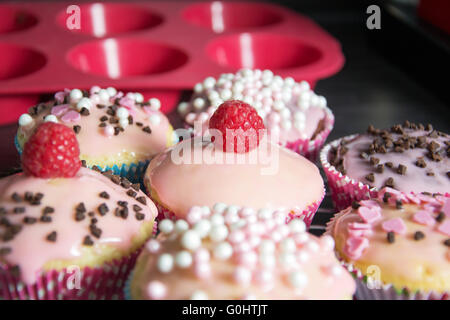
x=197, y=172
x=45, y=220
x=229, y=252
x=289, y=108
x=406, y=235
x=409, y=158
x=110, y=125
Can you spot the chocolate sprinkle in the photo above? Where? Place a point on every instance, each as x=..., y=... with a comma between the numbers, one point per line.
x=79, y=216
x=391, y=237
x=4, y=251
x=95, y=231
x=103, y=209
x=52, y=236
x=131, y=193
x=386, y=197
x=147, y=129
x=19, y=210
x=104, y=195
x=136, y=208
x=380, y=168
x=85, y=112
x=401, y=169
x=80, y=207
x=76, y=129
x=389, y=164
x=142, y=200
x=355, y=205
x=137, y=186
x=440, y=217
x=15, y=196
x=139, y=216
x=398, y=204
x=45, y=219
x=370, y=177
x=421, y=163
x=29, y=220
x=389, y=182
x=88, y=241
x=447, y=243
x=103, y=119
x=115, y=179
x=419, y=235
x=48, y=210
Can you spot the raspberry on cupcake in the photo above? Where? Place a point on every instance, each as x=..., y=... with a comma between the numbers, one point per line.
x=409, y=157
x=396, y=245
x=234, y=253
x=290, y=109
x=116, y=131
x=67, y=231
x=210, y=171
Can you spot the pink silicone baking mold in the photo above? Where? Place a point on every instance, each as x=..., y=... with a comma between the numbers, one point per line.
x=158, y=48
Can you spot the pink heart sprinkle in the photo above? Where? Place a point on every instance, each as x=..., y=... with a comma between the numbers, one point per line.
x=355, y=246
x=360, y=233
x=396, y=225
x=369, y=203
x=59, y=96
x=446, y=208
x=71, y=116
x=359, y=226
x=424, y=217
x=369, y=215
x=412, y=198
x=445, y=228
x=60, y=109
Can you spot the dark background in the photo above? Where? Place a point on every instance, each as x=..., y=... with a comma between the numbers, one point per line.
x=390, y=75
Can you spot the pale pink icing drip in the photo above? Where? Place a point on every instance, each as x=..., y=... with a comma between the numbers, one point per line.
x=405, y=257
x=30, y=249
x=415, y=179
x=245, y=271
x=94, y=143
x=295, y=184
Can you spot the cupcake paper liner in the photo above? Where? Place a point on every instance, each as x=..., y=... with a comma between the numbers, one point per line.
x=383, y=291
x=133, y=172
x=310, y=149
x=104, y=282
x=344, y=190
x=306, y=215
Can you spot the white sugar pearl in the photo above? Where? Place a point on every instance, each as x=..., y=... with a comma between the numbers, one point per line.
x=166, y=226
x=51, y=118
x=265, y=213
x=104, y=95
x=75, y=95
x=111, y=91
x=287, y=259
x=209, y=83
x=298, y=279
x=216, y=103
x=322, y=101
x=219, y=207
x=122, y=113
x=138, y=97
x=202, y=228
x=124, y=123
x=181, y=226
x=305, y=95
x=237, y=96
x=94, y=89
x=238, y=87
x=267, y=74
x=218, y=233
x=154, y=119
x=199, y=295
x=217, y=219
x=313, y=246
x=198, y=88
x=131, y=95
x=198, y=103
x=213, y=95
x=288, y=245
x=191, y=240
x=25, y=119
x=223, y=251
x=285, y=113
x=327, y=242
x=297, y=226
x=303, y=256
x=267, y=246
x=304, y=85
x=183, y=108
x=155, y=103
x=278, y=105
x=289, y=82
x=248, y=99
x=267, y=260
x=84, y=103
x=226, y=94
x=156, y=290
x=183, y=259
x=286, y=124
x=153, y=246
x=165, y=263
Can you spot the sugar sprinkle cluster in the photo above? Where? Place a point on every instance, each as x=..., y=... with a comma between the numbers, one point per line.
x=260, y=244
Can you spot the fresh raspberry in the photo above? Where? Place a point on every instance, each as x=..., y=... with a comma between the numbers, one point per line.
x=52, y=151
x=234, y=115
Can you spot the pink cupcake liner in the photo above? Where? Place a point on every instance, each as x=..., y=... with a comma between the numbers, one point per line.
x=310, y=149
x=344, y=190
x=306, y=215
x=104, y=282
x=382, y=291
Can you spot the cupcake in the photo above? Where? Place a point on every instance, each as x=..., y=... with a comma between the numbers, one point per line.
x=397, y=245
x=408, y=158
x=229, y=252
x=68, y=232
x=299, y=117
x=115, y=131
x=202, y=172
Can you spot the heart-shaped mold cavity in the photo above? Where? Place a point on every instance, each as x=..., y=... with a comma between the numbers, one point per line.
x=106, y=19
x=120, y=58
x=263, y=51
x=15, y=19
x=18, y=61
x=221, y=16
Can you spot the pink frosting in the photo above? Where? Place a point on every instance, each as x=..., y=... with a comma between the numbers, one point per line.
x=295, y=184
x=31, y=250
